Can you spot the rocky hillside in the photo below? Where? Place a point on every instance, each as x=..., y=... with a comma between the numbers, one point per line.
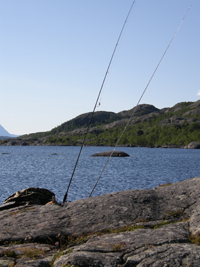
x=171, y=127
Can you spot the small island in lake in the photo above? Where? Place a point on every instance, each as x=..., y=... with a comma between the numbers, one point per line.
x=111, y=153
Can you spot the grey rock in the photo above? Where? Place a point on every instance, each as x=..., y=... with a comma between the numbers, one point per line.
x=155, y=227
x=193, y=145
x=6, y=262
x=88, y=258
x=30, y=254
x=165, y=255
x=32, y=263
x=124, y=248
x=113, y=153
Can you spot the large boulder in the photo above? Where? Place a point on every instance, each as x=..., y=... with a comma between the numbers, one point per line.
x=32, y=195
x=193, y=145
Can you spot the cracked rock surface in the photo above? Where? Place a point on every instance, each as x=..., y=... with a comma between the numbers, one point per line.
x=155, y=227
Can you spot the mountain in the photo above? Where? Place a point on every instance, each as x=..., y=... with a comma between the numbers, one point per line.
x=5, y=134
x=170, y=127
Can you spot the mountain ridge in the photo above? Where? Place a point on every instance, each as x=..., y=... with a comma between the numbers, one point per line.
x=5, y=134
x=3, y=131
x=176, y=126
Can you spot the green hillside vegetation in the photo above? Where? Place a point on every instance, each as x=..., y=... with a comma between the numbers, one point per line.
x=152, y=127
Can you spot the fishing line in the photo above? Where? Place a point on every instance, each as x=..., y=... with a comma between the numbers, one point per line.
x=97, y=101
x=140, y=100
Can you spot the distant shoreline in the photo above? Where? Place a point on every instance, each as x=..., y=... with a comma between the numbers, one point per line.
x=192, y=145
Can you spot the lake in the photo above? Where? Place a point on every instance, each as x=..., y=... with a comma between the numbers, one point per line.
x=51, y=167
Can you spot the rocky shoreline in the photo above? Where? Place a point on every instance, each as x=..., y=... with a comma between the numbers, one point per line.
x=154, y=227
x=21, y=142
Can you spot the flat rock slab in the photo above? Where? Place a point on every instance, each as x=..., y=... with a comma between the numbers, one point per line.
x=154, y=227
x=142, y=247
x=26, y=254
x=109, y=153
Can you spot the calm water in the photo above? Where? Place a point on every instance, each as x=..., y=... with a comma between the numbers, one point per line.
x=145, y=168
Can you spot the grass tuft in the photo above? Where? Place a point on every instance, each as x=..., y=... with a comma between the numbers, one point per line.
x=195, y=239
x=176, y=214
x=167, y=184
x=10, y=254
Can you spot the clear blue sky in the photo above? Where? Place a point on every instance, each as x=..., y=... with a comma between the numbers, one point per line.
x=54, y=54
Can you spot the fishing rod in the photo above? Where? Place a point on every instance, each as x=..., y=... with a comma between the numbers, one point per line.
x=97, y=101
x=140, y=99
